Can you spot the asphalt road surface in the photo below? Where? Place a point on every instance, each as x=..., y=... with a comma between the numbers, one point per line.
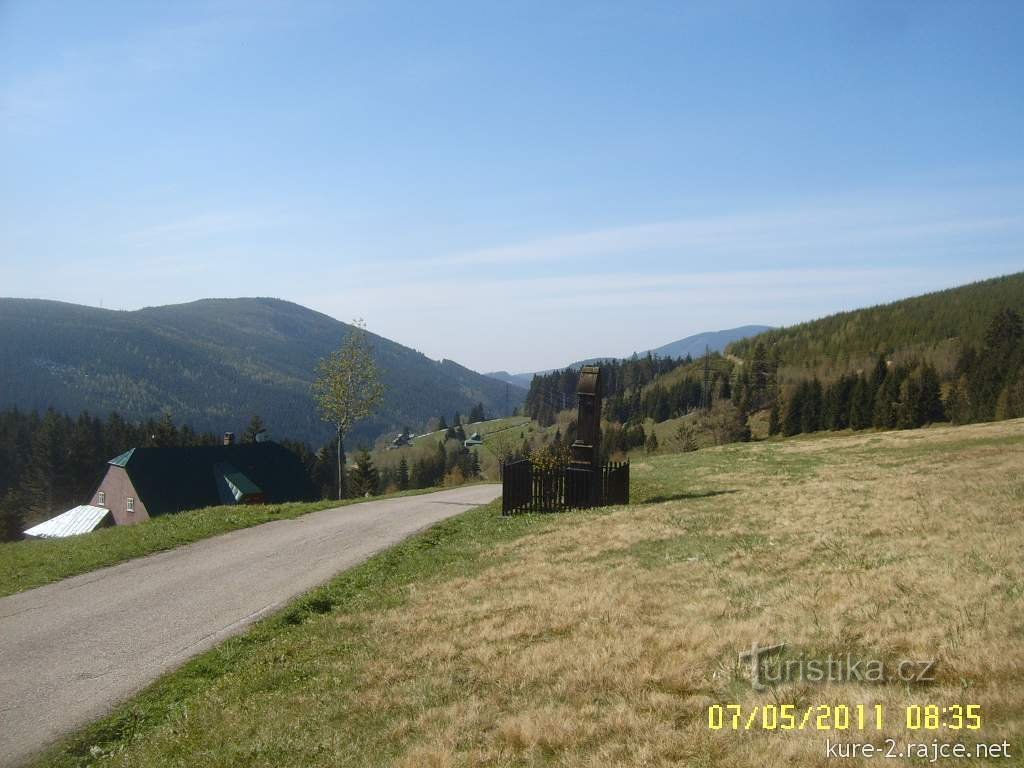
x=72, y=650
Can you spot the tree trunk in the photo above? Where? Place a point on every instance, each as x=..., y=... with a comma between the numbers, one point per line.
x=341, y=470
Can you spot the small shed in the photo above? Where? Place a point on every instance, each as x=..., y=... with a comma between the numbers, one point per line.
x=82, y=519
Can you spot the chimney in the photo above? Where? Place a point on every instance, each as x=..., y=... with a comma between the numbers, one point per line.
x=229, y=438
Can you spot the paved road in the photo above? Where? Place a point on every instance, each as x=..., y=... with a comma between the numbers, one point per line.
x=72, y=650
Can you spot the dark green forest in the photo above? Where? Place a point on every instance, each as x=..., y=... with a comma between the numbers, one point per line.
x=556, y=391
x=51, y=462
x=986, y=384
x=212, y=361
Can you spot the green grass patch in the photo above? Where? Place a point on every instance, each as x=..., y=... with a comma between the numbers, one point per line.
x=26, y=564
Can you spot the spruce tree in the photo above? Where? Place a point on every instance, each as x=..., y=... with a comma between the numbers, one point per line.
x=741, y=430
x=861, y=407
x=775, y=418
x=165, y=433
x=402, y=481
x=793, y=418
x=363, y=478
x=930, y=408
x=255, y=427
x=887, y=401
x=12, y=516
x=813, y=406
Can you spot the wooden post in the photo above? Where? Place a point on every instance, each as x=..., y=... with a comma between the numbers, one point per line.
x=586, y=450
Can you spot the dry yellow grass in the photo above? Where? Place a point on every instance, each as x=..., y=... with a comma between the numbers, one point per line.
x=602, y=638
x=586, y=647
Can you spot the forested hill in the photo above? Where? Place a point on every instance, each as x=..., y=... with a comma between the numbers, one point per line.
x=214, y=363
x=933, y=327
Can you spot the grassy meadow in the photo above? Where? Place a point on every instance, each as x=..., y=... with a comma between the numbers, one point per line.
x=601, y=638
x=499, y=436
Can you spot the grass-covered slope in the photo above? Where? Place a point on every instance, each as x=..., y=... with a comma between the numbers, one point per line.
x=213, y=363
x=922, y=325
x=601, y=638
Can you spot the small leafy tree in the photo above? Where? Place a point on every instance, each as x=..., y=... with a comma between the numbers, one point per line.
x=686, y=437
x=651, y=444
x=347, y=387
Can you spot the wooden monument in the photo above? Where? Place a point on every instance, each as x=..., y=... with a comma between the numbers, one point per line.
x=584, y=471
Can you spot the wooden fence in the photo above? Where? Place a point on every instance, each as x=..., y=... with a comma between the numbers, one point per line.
x=526, y=488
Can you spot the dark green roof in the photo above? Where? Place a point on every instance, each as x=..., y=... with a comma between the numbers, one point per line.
x=238, y=485
x=123, y=459
x=175, y=479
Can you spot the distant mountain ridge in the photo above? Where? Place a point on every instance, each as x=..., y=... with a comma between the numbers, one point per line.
x=716, y=341
x=213, y=364
x=693, y=345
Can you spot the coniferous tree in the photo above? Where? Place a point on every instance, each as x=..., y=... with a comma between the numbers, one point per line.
x=861, y=405
x=165, y=433
x=1010, y=404
x=364, y=479
x=813, y=404
x=743, y=433
x=792, y=419
x=930, y=408
x=775, y=418
x=256, y=426
x=957, y=405
x=403, y=475
x=886, y=402
x=46, y=480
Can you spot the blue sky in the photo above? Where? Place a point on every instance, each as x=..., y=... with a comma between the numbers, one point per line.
x=511, y=185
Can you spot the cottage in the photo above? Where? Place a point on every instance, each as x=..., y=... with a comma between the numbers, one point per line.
x=148, y=482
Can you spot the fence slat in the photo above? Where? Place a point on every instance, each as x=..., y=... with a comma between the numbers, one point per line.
x=526, y=488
